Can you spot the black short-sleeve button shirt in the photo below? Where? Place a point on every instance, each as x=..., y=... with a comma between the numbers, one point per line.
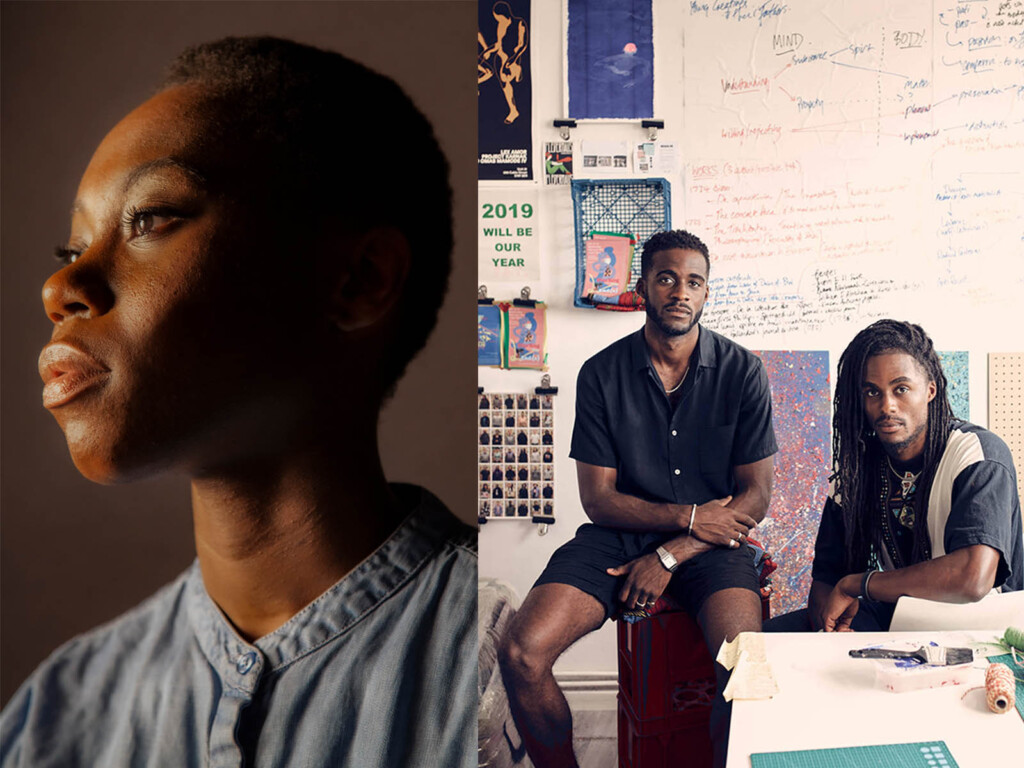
x=624, y=420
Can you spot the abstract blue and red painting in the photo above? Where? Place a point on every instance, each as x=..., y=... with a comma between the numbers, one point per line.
x=802, y=413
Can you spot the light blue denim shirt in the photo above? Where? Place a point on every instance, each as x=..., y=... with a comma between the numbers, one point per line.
x=380, y=670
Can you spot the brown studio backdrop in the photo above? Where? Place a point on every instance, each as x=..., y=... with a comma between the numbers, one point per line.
x=76, y=554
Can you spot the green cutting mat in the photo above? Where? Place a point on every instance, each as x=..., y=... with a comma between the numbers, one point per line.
x=1007, y=659
x=922, y=754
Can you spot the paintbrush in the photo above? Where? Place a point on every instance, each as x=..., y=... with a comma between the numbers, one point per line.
x=936, y=655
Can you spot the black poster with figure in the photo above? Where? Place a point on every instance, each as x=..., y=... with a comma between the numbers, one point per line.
x=505, y=91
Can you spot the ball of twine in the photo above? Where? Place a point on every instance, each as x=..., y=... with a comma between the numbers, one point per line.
x=1000, y=688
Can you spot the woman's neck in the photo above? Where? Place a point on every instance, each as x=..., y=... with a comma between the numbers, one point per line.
x=275, y=534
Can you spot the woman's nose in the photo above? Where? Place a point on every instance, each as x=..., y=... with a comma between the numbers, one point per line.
x=78, y=290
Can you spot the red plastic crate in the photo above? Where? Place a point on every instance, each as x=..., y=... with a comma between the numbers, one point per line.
x=681, y=739
x=664, y=666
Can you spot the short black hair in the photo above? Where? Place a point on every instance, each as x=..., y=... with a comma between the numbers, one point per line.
x=673, y=238
x=307, y=112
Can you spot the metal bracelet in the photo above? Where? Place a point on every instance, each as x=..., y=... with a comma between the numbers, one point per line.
x=864, y=585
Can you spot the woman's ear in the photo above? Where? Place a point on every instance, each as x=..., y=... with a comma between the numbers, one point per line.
x=371, y=280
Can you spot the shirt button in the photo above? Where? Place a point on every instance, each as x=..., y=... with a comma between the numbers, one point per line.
x=673, y=433
x=677, y=471
x=245, y=662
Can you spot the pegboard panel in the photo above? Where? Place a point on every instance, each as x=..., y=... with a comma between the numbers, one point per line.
x=1006, y=404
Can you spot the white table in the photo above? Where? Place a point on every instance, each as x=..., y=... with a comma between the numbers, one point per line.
x=827, y=699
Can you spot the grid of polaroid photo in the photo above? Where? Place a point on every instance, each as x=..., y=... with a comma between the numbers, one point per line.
x=517, y=455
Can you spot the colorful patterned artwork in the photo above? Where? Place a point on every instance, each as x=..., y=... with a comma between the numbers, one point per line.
x=802, y=412
x=609, y=257
x=954, y=365
x=488, y=334
x=526, y=332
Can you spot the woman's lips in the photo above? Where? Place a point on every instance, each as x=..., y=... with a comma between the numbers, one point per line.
x=67, y=372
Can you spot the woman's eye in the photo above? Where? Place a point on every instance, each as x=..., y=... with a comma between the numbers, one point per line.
x=142, y=223
x=146, y=222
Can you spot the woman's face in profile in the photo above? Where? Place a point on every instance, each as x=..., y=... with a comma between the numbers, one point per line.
x=170, y=347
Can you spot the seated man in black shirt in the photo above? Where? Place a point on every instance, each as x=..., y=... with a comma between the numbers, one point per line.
x=922, y=504
x=673, y=444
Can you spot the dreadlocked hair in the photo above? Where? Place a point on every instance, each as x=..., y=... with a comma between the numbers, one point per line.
x=858, y=453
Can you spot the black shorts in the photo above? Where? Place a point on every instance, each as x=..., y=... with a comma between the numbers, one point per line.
x=582, y=563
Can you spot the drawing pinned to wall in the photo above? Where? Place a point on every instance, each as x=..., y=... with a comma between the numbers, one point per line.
x=609, y=256
x=557, y=162
x=488, y=334
x=802, y=415
x=512, y=334
x=504, y=90
x=527, y=329
x=954, y=366
x=611, y=59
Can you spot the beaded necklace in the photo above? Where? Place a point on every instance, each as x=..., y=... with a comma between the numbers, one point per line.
x=905, y=514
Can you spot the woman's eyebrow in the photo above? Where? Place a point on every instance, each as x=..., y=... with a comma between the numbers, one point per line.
x=140, y=172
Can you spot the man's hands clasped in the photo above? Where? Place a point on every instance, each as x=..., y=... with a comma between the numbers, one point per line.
x=714, y=523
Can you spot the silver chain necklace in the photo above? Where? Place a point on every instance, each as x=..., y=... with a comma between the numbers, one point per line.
x=677, y=386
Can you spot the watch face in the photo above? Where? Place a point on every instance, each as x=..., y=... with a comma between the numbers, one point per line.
x=667, y=559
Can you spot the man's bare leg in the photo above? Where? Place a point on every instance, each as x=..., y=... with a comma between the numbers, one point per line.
x=723, y=616
x=553, y=617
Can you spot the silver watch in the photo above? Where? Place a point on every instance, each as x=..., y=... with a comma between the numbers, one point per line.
x=667, y=559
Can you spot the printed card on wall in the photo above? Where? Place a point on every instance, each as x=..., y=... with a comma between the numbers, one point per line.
x=656, y=157
x=557, y=162
x=610, y=55
x=608, y=258
x=517, y=462
x=488, y=334
x=507, y=241
x=504, y=90
x=526, y=334
x=605, y=157
x=802, y=415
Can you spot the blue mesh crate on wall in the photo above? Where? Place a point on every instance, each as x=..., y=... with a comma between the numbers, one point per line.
x=637, y=207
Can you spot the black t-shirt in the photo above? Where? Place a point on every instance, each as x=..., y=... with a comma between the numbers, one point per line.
x=624, y=420
x=973, y=500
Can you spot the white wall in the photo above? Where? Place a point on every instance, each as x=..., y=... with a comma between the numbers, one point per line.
x=954, y=265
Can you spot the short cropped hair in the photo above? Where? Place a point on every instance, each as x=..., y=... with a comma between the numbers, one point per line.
x=307, y=115
x=674, y=238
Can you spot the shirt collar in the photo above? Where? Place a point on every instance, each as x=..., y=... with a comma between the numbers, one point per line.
x=337, y=610
x=706, y=356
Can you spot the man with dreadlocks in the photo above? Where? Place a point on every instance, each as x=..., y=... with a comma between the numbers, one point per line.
x=921, y=504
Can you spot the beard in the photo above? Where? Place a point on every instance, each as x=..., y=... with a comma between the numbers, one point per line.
x=662, y=322
x=896, y=448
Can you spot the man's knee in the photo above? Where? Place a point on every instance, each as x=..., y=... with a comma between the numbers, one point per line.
x=522, y=661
